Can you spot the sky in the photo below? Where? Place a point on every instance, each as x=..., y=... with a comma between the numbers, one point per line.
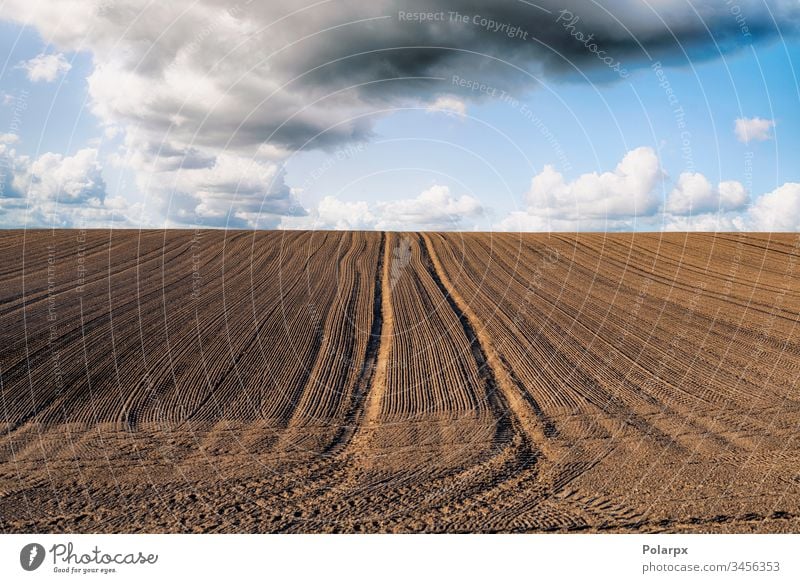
x=401, y=115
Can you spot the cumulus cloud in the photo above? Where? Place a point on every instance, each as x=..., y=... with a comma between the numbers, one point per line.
x=56, y=190
x=693, y=194
x=67, y=179
x=9, y=138
x=524, y=221
x=753, y=129
x=207, y=85
x=449, y=105
x=433, y=209
x=707, y=223
x=53, y=177
x=629, y=190
x=236, y=193
x=194, y=187
x=613, y=200
x=45, y=68
x=332, y=213
x=693, y=204
x=775, y=211
x=778, y=210
x=291, y=71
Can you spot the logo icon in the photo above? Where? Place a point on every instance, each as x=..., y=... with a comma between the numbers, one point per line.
x=31, y=556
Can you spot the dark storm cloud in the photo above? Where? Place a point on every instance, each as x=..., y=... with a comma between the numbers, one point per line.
x=212, y=95
x=550, y=40
x=210, y=73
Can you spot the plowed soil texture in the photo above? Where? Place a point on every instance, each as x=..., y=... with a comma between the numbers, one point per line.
x=241, y=381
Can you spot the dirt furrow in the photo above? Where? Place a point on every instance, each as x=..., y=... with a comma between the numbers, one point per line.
x=400, y=382
x=360, y=403
x=513, y=403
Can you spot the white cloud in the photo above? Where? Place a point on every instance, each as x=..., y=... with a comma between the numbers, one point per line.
x=753, y=129
x=693, y=204
x=201, y=186
x=778, y=210
x=56, y=190
x=212, y=73
x=732, y=195
x=449, y=105
x=237, y=192
x=66, y=179
x=332, y=213
x=45, y=68
x=523, y=221
x=593, y=201
x=198, y=87
x=9, y=138
x=693, y=194
x=708, y=222
x=433, y=209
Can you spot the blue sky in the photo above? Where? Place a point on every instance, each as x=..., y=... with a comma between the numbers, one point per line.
x=96, y=135
x=495, y=149
x=55, y=118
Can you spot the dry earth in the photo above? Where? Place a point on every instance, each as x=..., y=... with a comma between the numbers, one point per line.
x=203, y=381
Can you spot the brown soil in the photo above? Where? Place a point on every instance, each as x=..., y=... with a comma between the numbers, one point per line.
x=214, y=381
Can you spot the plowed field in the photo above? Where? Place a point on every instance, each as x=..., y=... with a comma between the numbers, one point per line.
x=209, y=381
